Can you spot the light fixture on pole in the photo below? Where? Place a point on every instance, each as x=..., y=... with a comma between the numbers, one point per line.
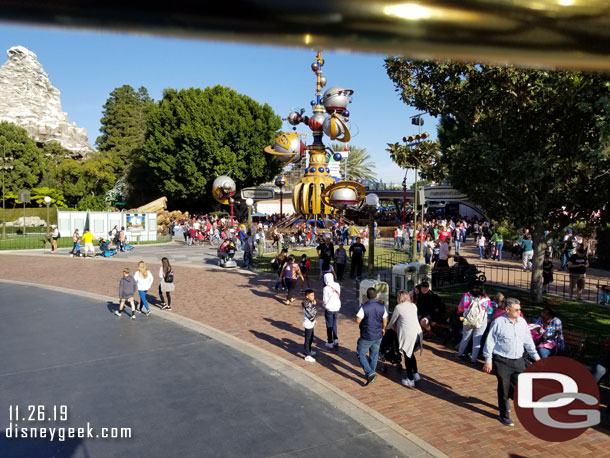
x=280, y=182
x=47, y=200
x=5, y=168
x=249, y=203
x=372, y=201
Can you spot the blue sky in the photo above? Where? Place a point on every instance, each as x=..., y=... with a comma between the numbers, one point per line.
x=87, y=65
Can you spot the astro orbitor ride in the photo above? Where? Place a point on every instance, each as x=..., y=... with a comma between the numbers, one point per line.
x=318, y=195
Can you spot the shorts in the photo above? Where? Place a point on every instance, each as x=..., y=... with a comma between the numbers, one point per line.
x=577, y=280
x=130, y=298
x=89, y=247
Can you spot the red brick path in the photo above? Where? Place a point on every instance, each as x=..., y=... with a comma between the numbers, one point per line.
x=452, y=408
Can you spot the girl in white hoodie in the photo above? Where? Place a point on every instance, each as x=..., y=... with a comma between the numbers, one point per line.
x=331, y=299
x=144, y=280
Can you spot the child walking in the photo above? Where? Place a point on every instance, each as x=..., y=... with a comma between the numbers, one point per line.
x=127, y=289
x=144, y=279
x=309, y=321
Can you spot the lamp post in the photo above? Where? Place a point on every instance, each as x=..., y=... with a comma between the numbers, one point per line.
x=47, y=200
x=280, y=182
x=249, y=203
x=5, y=167
x=372, y=200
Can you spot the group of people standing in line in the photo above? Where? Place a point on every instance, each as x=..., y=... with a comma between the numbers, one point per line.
x=141, y=283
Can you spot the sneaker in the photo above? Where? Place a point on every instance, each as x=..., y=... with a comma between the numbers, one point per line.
x=169, y=308
x=371, y=378
x=416, y=377
x=133, y=316
x=328, y=345
x=408, y=383
x=148, y=313
x=117, y=313
x=506, y=421
x=309, y=359
x=336, y=343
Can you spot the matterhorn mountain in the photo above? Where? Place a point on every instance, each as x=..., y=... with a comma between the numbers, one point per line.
x=28, y=99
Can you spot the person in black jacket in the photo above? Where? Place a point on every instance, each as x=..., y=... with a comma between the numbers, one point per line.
x=127, y=289
x=430, y=307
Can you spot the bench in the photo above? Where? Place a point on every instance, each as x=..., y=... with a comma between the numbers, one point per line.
x=574, y=344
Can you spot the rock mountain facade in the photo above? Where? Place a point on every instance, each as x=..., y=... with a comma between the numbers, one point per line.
x=28, y=99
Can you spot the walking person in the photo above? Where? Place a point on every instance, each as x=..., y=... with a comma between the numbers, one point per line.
x=54, y=236
x=508, y=337
x=356, y=254
x=248, y=250
x=547, y=272
x=75, y=239
x=340, y=261
x=498, y=242
x=410, y=335
x=309, y=322
x=331, y=300
x=305, y=267
x=278, y=264
x=475, y=307
x=372, y=318
x=577, y=267
x=289, y=275
x=127, y=289
x=528, y=252
x=144, y=279
x=166, y=283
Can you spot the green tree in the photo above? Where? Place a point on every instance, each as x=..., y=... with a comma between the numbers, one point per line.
x=193, y=136
x=27, y=159
x=53, y=154
x=531, y=146
x=359, y=164
x=123, y=124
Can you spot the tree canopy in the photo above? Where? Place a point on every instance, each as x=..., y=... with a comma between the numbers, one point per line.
x=26, y=158
x=194, y=135
x=530, y=146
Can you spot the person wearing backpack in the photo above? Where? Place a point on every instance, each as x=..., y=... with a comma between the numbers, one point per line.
x=166, y=283
x=474, y=307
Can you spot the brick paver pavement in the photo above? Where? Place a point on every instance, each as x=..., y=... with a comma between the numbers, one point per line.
x=453, y=407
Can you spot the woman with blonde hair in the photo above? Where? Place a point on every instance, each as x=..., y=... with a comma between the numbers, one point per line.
x=144, y=280
x=410, y=335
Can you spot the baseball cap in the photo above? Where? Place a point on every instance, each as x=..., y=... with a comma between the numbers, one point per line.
x=568, y=230
x=425, y=284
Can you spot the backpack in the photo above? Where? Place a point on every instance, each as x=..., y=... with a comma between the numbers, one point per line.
x=169, y=277
x=476, y=314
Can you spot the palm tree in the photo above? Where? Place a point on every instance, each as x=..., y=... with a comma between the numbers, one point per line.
x=359, y=164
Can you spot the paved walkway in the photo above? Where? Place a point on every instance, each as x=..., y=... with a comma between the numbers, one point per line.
x=453, y=408
x=179, y=392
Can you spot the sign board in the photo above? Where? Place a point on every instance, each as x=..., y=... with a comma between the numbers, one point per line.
x=258, y=193
x=24, y=196
x=135, y=222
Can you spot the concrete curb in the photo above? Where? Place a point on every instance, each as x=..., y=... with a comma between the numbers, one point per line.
x=401, y=439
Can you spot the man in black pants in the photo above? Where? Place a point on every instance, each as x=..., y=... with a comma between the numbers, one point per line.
x=508, y=335
x=356, y=254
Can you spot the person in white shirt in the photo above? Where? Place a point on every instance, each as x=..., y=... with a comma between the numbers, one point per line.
x=331, y=299
x=481, y=244
x=144, y=279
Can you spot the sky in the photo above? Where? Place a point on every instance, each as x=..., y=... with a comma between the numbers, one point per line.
x=86, y=65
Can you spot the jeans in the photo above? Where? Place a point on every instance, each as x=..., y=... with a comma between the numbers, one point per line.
x=427, y=258
x=143, y=301
x=545, y=352
x=308, y=341
x=598, y=372
x=476, y=334
x=499, y=246
x=247, y=258
x=331, y=325
x=340, y=270
x=368, y=363
x=481, y=251
x=527, y=259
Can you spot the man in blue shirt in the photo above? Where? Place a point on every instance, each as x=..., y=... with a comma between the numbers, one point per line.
x=372, y=318
x=508, y=335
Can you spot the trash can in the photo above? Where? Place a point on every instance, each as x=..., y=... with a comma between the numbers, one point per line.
x=382, y=288
x=399, y=278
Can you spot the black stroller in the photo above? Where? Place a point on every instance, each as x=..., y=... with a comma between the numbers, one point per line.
x=389, y=351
